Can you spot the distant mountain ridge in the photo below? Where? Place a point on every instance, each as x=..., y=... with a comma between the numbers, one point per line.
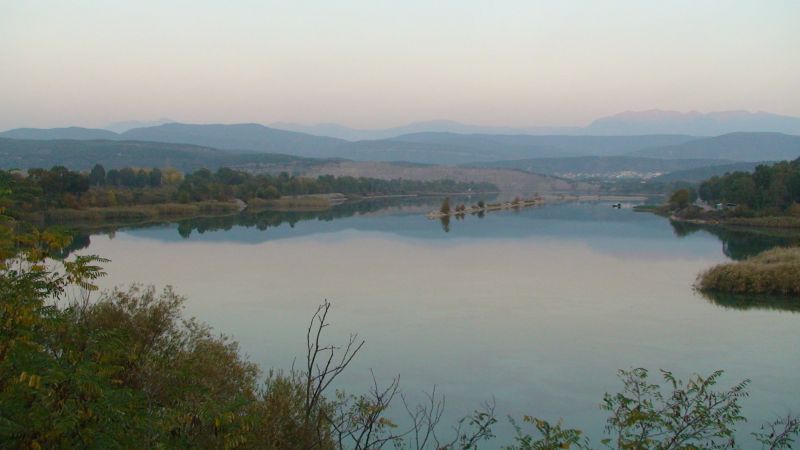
x=247, y=136
x=583, y=167
x=743, y=147
x=432, y=126
x=694, y=123
x=444, y=148
x=121, y=127
x=77, y=133
x=629, y=123
x=84, y=154
x=427, y=148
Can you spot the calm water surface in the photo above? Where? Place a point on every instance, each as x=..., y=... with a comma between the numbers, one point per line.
x=536, y=309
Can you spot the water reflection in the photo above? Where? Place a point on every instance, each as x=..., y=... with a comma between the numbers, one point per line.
x=753, y=302
x=445, y=221
x=262, y=220
x=537, y=309
x=738, y=244
x=406, y=217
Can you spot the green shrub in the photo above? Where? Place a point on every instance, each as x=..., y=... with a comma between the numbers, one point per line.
x=775, y=271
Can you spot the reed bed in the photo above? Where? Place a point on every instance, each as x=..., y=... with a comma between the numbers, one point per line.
x=773, y=272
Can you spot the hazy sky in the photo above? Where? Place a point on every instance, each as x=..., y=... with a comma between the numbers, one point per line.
x=376, y=63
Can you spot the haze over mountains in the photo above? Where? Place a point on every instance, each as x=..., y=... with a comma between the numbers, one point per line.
x=253, y=145
x=628, y=123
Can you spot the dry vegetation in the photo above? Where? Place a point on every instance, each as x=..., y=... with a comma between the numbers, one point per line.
x=775, y=271
x=505, y=180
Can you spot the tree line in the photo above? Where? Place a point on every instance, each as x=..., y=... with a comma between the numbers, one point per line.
x=59, y=187
x=768, y=190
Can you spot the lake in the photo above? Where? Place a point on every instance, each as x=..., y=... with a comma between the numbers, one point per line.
x=536, y=308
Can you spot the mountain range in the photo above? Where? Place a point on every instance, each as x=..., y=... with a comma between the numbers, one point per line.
x=83, y=155
x=258, y=147
x=588, y=167
x=629, y=123
x=440, y=147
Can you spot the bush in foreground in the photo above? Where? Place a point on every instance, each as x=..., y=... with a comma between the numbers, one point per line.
x=127, y=371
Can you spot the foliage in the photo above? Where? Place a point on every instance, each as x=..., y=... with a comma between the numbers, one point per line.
x=58, y=187
x=771, y=190
x=682, y=198
x=445, y=208
x=692, y=415
x=553, y=436
x=775, y=271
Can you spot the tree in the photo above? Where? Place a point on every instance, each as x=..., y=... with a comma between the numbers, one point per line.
x=445, y=208
x=127, y=177
x=97, y=177
x=680, y=199
x=113, y=178
x=156, y=177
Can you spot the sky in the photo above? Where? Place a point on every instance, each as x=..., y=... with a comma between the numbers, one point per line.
x=381, y=63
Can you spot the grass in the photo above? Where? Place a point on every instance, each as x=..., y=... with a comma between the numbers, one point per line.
x=773, y=272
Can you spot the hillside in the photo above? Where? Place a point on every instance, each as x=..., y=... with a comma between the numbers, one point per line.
x=694, y=123
x=59, y=133
x=444, y=148
x=629, y=123
x=509, y=181
x=82, y=155
x=602, y=166
x=525, y=146
x=703, y=173
x=431, y=126
x=734, y=146
x=243, y=137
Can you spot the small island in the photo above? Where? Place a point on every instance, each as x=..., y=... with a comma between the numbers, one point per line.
x=446, y=210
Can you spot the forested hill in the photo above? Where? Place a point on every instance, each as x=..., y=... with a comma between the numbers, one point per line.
x=770, y=189
x=249, y=136
x=59, y=133
x=699, y=174
x=442, y=147
x=734, y=146
x=82, y=155
x=602, y=166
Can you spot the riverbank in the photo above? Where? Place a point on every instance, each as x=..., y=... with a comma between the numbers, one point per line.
x=744, y=222
x=698, y=216
x=773, y=272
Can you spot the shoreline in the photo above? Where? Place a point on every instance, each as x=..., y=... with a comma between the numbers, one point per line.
x=775, y=222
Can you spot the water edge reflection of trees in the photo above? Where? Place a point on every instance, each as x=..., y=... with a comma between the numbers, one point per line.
x=753, y=302
x=258, y=219
x=739, y=244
